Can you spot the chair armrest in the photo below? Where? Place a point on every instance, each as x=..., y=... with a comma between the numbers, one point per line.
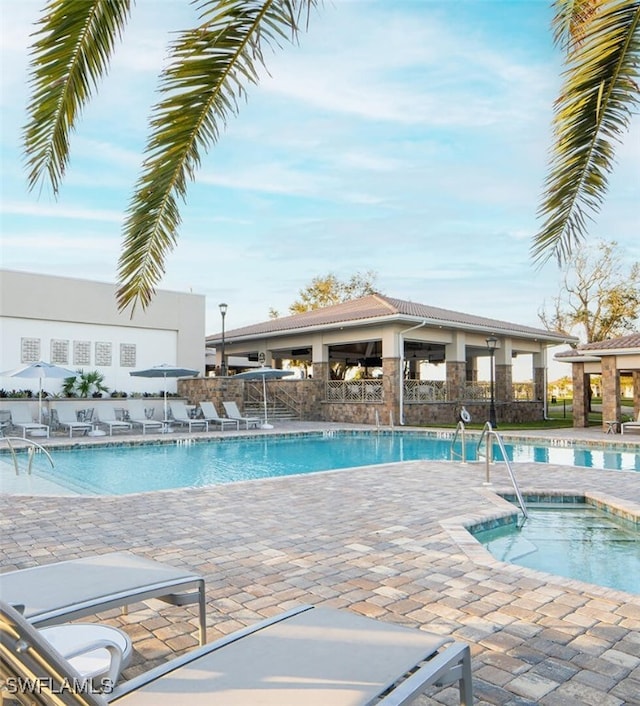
x=115, y=653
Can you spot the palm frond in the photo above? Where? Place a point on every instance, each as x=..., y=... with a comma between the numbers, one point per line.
x=70, y=53
x=210, y=69
x=599, y=95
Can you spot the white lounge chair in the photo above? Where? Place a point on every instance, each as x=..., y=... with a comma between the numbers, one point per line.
x=311, y=656
x=67, y=417
x=51, y=594
x=630, y=425
x=231, y=408
x=137, y=415
x=181, y=416
x=210, y=413
x=21, y=418
x=107, y=417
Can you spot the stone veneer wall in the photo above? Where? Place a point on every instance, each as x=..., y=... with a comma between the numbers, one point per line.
x=448, y=412
x=310, y=394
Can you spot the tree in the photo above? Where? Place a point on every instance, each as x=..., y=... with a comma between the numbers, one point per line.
x=601, y=43
x=211, y=65
x=600, y=295
x=328, y=290
x=209, y=69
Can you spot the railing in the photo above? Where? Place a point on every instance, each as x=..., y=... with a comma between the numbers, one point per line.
x=453, y=454
x=33, y=449
x=522, y=392
x=276, y=395
x=488, y=433
x=353, y=391
x=425, y=391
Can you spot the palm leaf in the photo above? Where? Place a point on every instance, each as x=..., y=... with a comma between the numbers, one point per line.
x=594, y=109
x=70, y=53
x=208, y=74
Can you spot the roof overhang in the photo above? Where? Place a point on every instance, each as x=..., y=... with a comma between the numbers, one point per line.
x=549, y=339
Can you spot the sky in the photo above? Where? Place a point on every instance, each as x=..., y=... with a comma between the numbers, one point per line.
x=406, y=138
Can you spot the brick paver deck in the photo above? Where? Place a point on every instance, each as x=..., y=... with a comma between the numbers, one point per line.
x=384, y=541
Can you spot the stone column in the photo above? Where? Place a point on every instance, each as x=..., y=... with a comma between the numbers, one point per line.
x=456, y=380
x=321, y=371
x=636, y=393
x=580, y=396
x=391, y=390
x=504, y=383
x=610, y=390
x=539, y=370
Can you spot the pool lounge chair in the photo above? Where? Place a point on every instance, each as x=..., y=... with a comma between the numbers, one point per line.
x=68, y=417
x=210, y=413
x=107, y=417
x=306, y=656
x=231, y=408
x=56, y=593
x=138, y=415
x=22, y=419
x=630, y=425
x=181, y=416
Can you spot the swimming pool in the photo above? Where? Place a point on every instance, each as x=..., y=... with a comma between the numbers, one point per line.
x=576, y=541
x=118, y=470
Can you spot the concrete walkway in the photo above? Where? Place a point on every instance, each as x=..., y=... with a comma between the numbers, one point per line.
x=384, y=541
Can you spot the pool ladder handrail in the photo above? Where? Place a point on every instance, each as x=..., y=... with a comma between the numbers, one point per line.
x=34, y=448
x=453, y=454
x=489, y=432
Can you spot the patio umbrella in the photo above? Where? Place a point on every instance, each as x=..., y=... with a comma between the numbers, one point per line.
x=266, y=374
x=165, y=371
x=39, y=370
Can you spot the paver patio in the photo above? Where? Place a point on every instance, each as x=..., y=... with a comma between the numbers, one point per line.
x=385, y=541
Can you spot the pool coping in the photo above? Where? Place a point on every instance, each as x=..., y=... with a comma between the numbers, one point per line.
x=66, y=444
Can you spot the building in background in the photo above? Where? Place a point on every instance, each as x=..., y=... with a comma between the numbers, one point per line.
x=75, y=323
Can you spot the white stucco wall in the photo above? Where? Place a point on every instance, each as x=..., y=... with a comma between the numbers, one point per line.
x=47, y=309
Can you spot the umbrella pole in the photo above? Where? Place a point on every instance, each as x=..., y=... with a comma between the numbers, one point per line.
x=166, y=418
x=264, y=395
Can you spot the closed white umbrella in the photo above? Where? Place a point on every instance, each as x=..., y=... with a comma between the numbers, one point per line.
x=265, y=373
x=39, y=370
x=165, y=371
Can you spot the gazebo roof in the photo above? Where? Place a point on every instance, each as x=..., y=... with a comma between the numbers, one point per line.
x=622, y=345
x=377, y=308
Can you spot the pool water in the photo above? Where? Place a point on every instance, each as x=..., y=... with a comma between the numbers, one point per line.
x=116, y=470
x=576, y=541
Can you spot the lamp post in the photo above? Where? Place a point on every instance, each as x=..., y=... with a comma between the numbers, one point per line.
x=223, y=365
x=492, y=342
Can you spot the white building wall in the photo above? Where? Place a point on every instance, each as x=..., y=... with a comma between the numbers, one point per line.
x=54, y=314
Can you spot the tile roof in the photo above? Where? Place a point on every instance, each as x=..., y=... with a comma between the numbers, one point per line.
x=377, y=306
x=630, y=343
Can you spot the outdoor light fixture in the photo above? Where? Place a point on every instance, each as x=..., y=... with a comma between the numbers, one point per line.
x=492, y=342
x=223, y=365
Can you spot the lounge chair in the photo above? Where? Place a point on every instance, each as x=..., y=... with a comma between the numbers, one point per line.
x=181, y=416
x=630, y=425
x=210, y=413
x=137, y=415
x=231, y=408
x=68, y=417
x=21, y=418
x=311, y=656
x=107, y=417
x=56, y=593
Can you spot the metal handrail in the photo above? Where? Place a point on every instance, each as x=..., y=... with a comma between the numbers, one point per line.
x=487, y=432
x=452, y=453
x=34, y=447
